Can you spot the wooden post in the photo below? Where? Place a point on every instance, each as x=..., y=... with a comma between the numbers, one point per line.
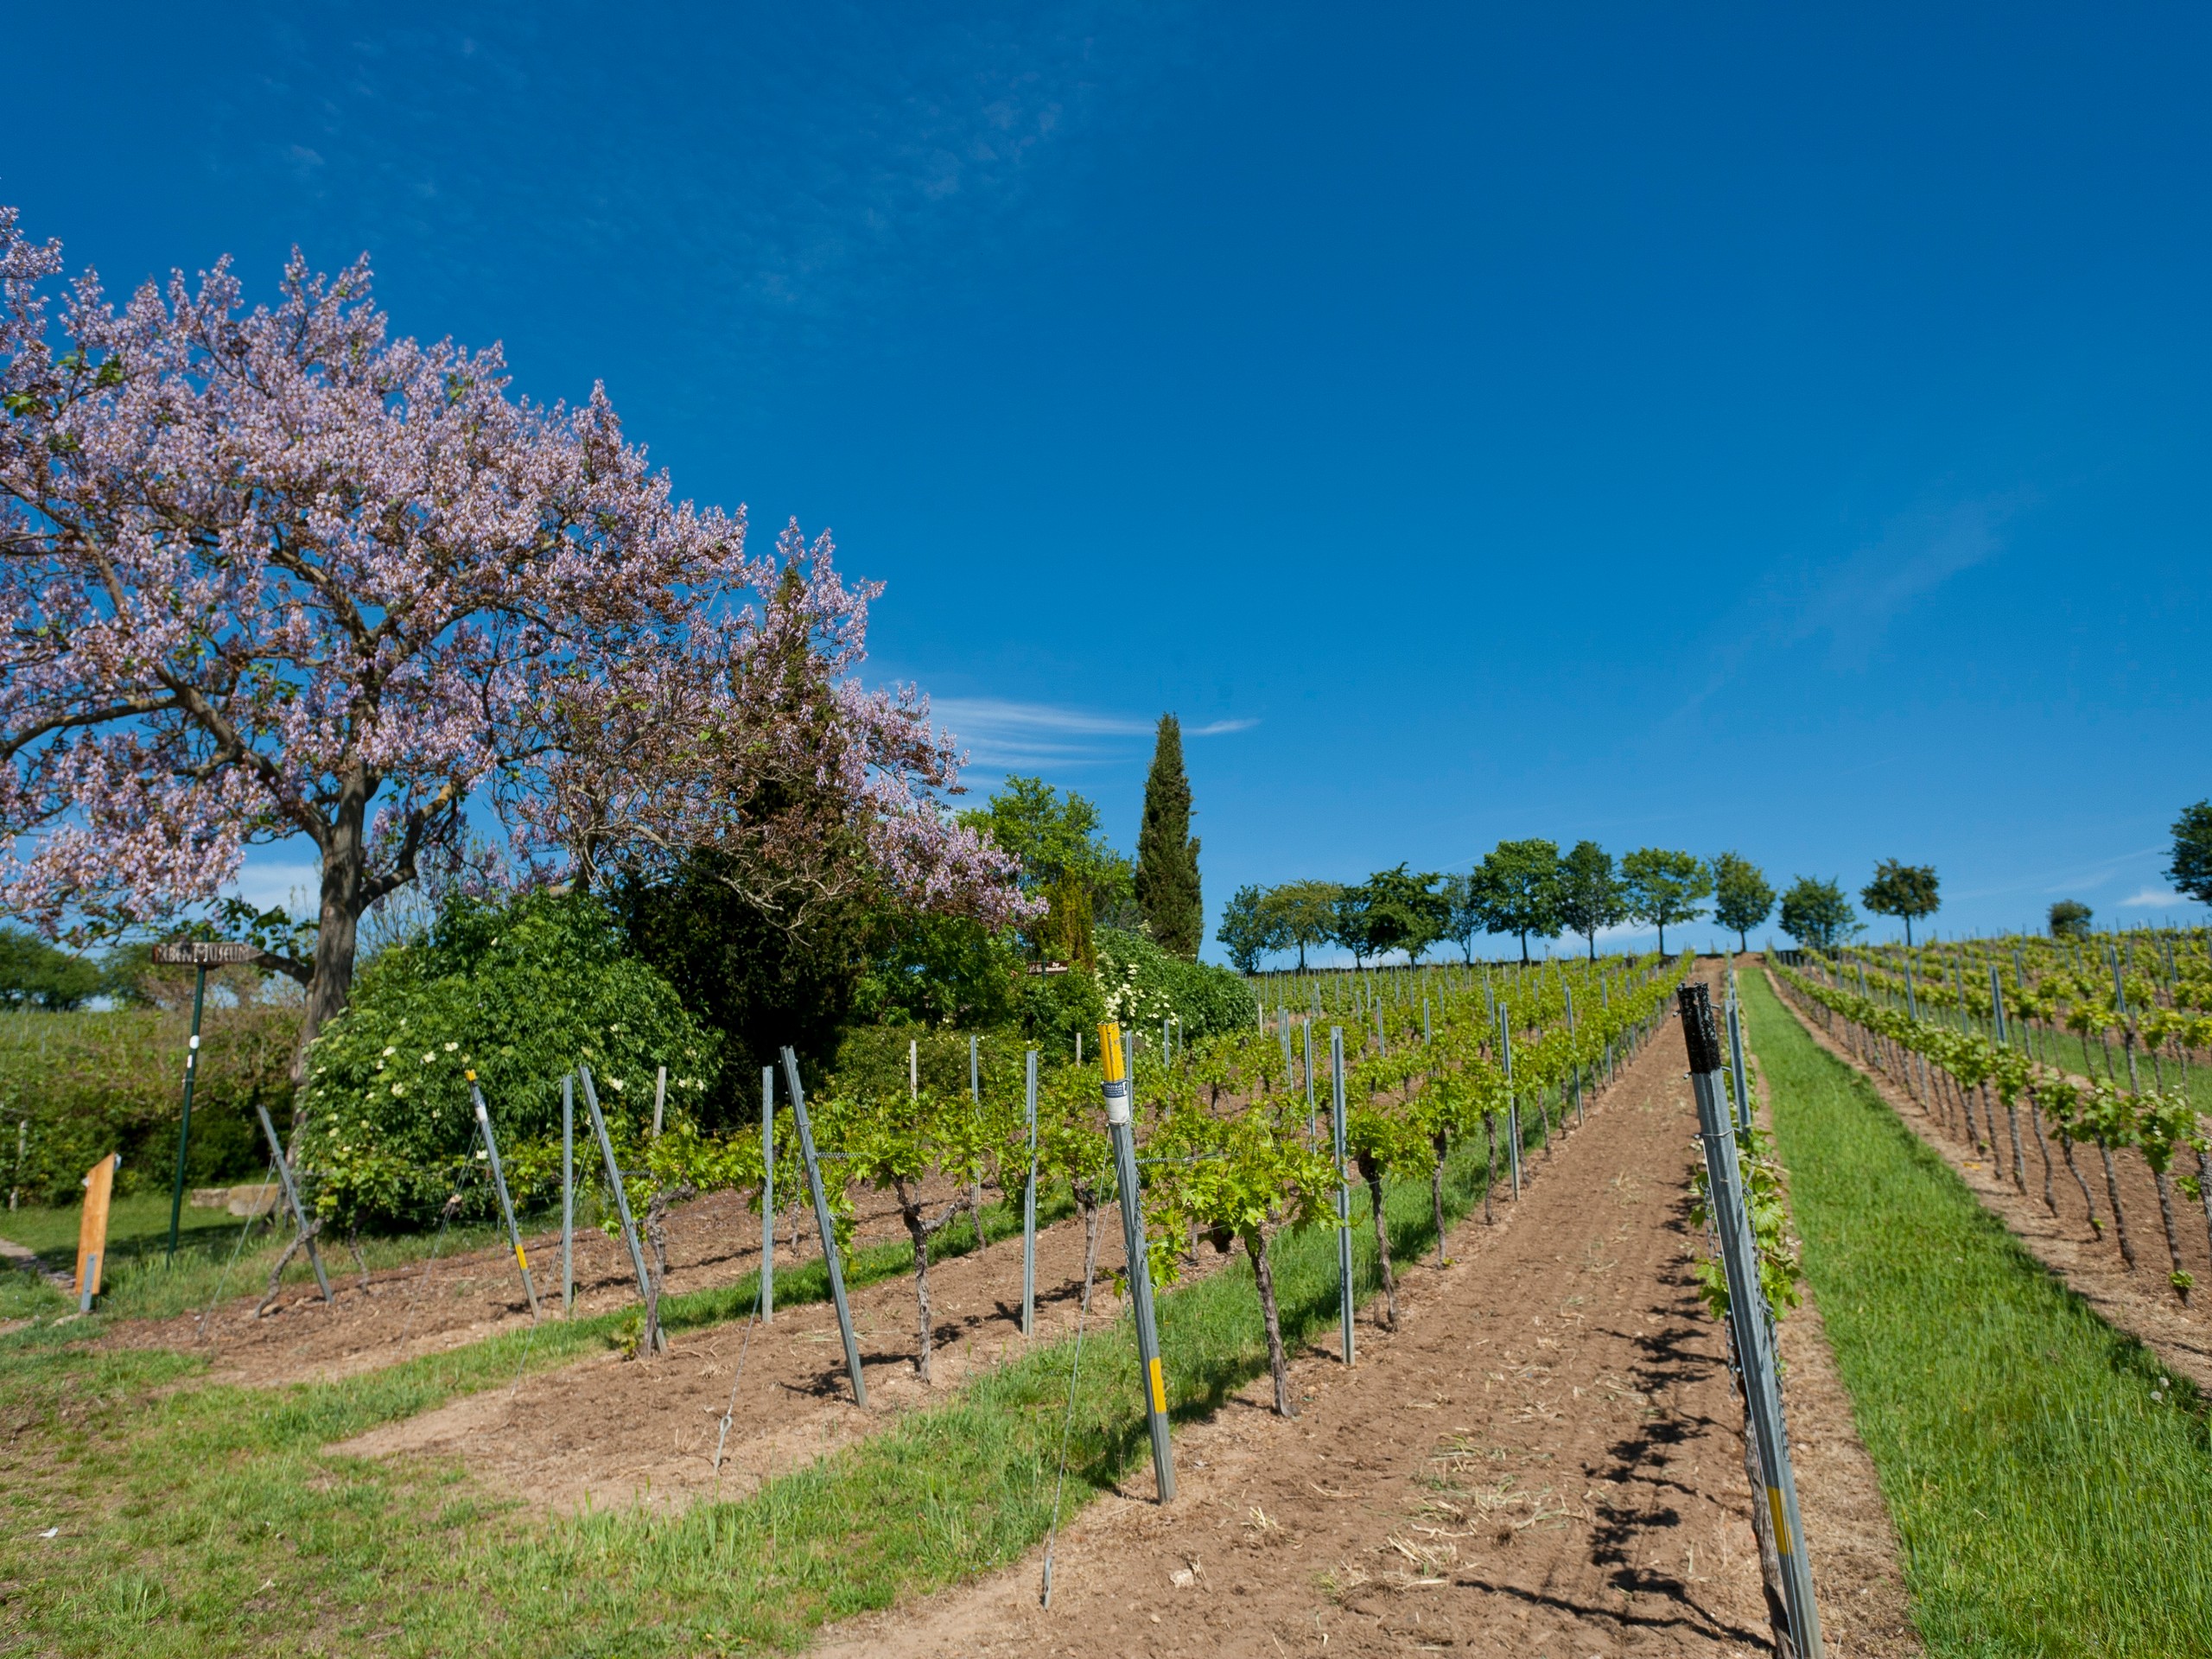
x=91, y=1231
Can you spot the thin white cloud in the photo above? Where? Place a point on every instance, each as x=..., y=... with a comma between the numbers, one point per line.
x=2154, y=898
x=981, y=714
x=1000, y=732
x=1916, y=554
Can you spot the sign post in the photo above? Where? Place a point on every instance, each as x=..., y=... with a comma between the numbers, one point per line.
x=201, y=955
x=92, y=1227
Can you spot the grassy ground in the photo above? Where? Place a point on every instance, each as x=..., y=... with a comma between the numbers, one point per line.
x=2052, y=1490
x=202, y=1520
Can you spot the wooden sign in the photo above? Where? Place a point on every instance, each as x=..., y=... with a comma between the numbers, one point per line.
x=204, y=953
x=91, y=1231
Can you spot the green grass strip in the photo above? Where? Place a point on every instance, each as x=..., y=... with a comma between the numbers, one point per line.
x=2052, y=1496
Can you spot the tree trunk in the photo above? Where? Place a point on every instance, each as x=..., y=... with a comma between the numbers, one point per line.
x=2119, y=1215
x=1436, y=1196
x=1374, y=1175
x=2042, y=1146
x=655, y=1340
x=338, y=921
x=1255, y=1246
x=2012, y=1125
x=2180, y=1280
x=910, y=1211
x=2066, y=1151
x=1091, y=1214
x=2204, y=1184
x=1490, y=1184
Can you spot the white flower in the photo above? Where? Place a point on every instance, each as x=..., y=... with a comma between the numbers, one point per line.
x=400, y=1089
x=451, y=1047
x=427, y=1059
x=616, y=1082
x=389, y=1053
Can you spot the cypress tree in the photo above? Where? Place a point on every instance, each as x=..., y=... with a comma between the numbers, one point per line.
x=1167, y=854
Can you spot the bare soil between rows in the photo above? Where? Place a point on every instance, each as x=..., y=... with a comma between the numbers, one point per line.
x=1545, y=1459
x=2137, y=1300
x=393, y=1314
x=611, y=1432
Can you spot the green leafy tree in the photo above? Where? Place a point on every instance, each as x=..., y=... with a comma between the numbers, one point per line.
x=1742, y=898
x=2070, y=920
x=1465, y=916
x=1589, y=893
x=1661, y=886
x=1065, y=860
x=1392, y=910
x=36, y=975
x=1167, y=854
x=938, y=970
x=744, y=975
x=1904, y=891
x=2191, y=868
x=1306, y=912
x=1250, y=927
x=1816, y=914
x=1519, y=881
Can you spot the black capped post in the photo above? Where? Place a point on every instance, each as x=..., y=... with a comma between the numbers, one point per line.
x=1751, y=1322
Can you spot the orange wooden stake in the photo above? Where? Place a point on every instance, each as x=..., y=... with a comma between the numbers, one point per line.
x=91, y=1231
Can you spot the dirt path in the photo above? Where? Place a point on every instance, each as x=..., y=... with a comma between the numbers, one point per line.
x=1547, y=1461
x=2138, y=1302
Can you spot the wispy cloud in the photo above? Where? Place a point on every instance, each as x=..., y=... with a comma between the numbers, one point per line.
x=2155, y=898
x=998, y=732
x=2059, y=883
x=816, y=165
x=1854, y=601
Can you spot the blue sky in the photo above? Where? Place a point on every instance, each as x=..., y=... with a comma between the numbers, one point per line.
x=1730, y=427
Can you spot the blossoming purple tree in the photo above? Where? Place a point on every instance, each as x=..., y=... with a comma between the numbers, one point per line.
x=271, y=574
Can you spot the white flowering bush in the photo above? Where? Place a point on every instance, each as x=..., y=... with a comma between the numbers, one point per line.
x=522, y=993
x=1142, y=984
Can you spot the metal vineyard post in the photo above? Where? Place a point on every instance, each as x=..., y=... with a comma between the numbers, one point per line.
x=767, y=1195
x=1343, y=1185
x=1749, y=1318
x=1029, y=1202
x=500, y=1187
x=568, y=1193
x=614, y=1181
x=292, y=1200
x=1122, y=1131
x=826, y=1223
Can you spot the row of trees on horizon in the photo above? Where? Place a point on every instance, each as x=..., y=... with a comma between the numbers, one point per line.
x=1528, y=889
